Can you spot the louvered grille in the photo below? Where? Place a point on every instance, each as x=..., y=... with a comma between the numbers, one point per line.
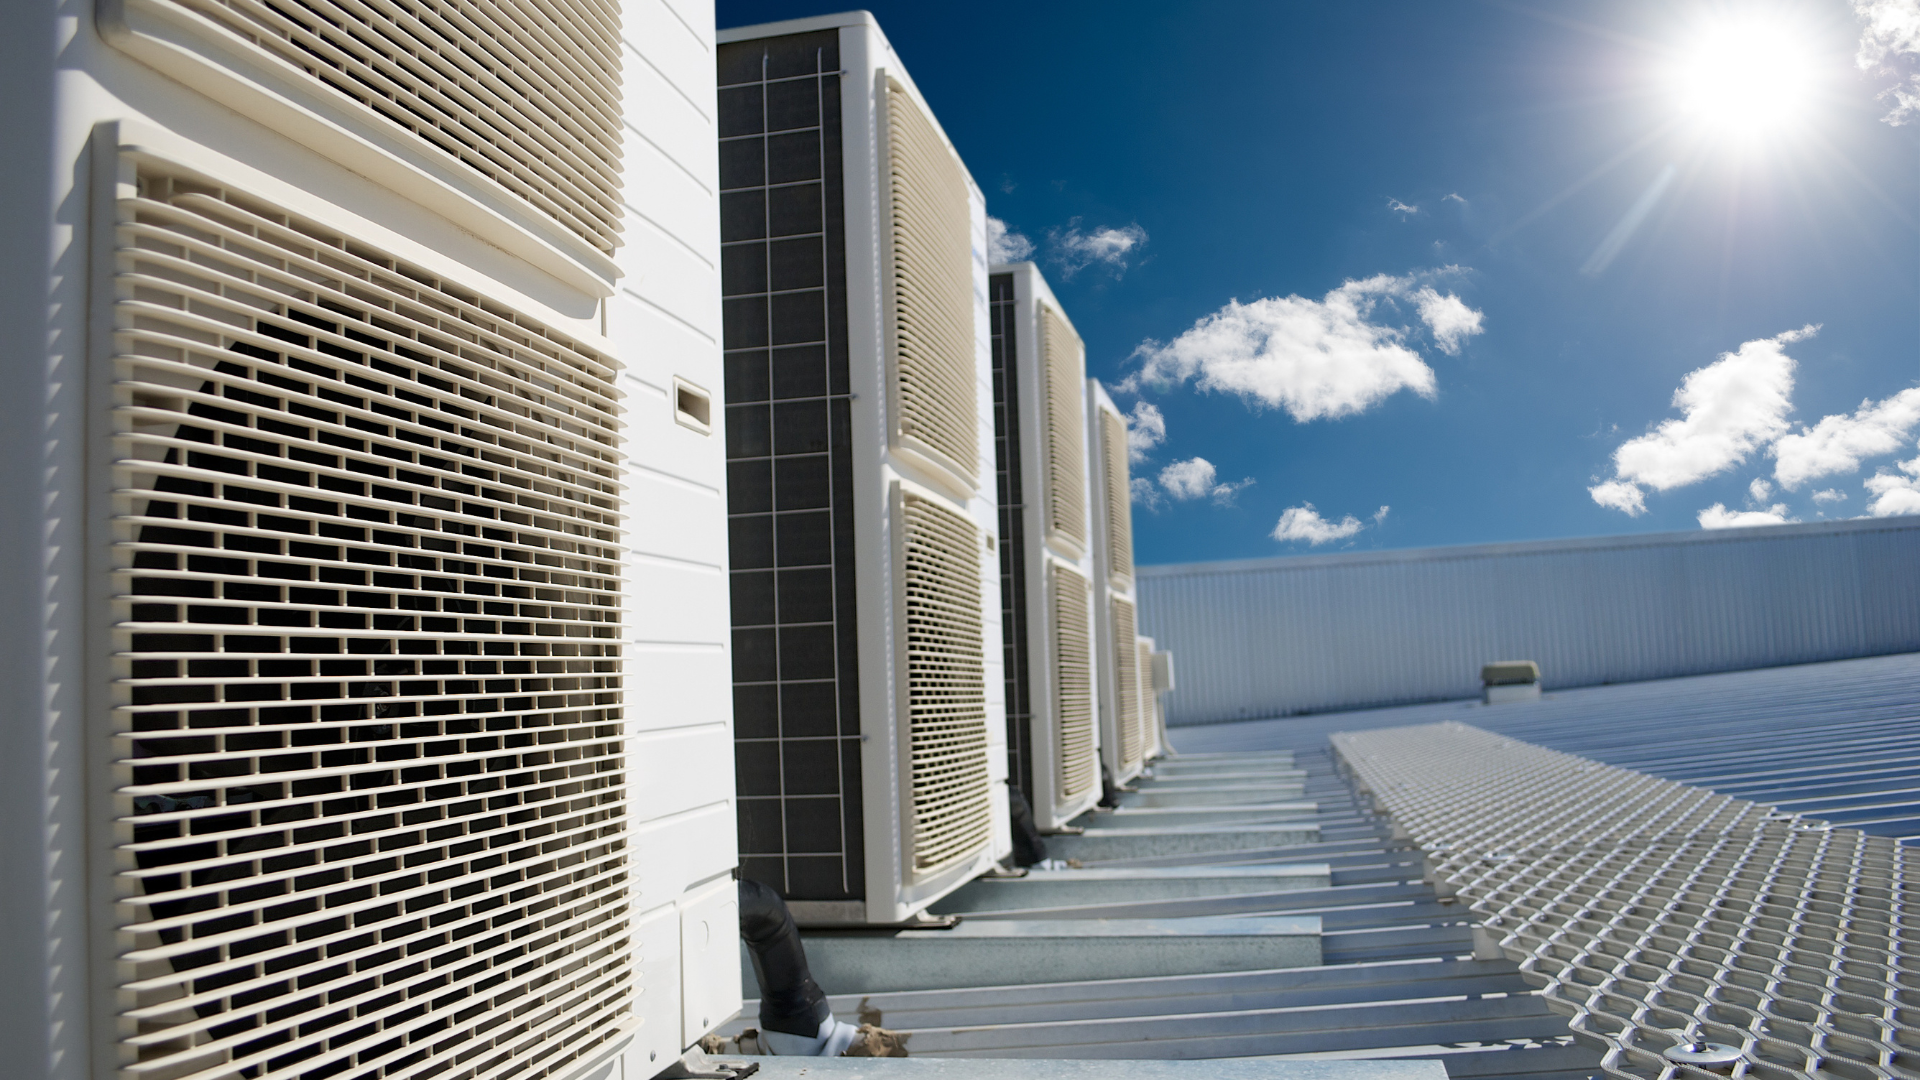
x=932, y=289
x=1113, y=461
x=523, y=92
x=369, y=784
x=1149, y=701
x=946, y=684
x=1126, y=673
x=1066, y=431
x=1072, y=683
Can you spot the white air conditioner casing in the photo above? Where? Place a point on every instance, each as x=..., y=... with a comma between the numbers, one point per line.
x=1046, y=524
x=223, y=213
x=903, y=684
x=1124, y=739
x=1153, y=715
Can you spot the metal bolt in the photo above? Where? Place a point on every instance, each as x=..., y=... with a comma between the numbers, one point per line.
x=1705, y=1055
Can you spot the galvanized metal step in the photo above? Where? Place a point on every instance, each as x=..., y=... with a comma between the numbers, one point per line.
x=1100, y=844
x=1059, y=888
x=988, y=952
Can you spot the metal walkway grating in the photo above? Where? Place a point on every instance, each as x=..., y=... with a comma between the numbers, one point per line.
x=1660, y=914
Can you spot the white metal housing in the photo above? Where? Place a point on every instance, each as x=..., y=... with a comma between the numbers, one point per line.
x=1124, y=741
x=371, y=494
x=871, y=759
x=1046, y=533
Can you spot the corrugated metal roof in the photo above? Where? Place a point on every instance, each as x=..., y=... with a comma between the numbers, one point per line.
x=1839, y=741
x=1314, y=633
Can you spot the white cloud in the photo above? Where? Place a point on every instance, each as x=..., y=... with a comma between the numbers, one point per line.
x=1891, y=33
x=1718, y=516
x=1895, y=494
x=1730, y=408
x=1303, y=522
x=1195, y=478
x=1453, y=196
x=1838, y=444
x=1398, y=207
x=1450, y=319
x=1005, y=246
x=1620, y=495
x=1759, y=490
x=1147, y=494
x=1380, y=515
x=1830, y=495
x=1316, y=359
x=1075, y=249
x=1146, y=429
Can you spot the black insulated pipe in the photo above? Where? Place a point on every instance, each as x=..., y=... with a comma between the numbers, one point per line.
x=1028, y=848
x=790, y=1001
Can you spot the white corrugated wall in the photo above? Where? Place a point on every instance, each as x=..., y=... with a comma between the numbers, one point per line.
x=1270, y=637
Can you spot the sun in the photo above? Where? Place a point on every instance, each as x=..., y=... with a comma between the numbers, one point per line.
x=1744, y=79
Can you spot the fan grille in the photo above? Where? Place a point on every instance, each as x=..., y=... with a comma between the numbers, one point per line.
x=1073, y=683
x=524, y=92
x=946, y=684
x=1066, y=431
x=932, y=289
x=1113, y=461
x=1126, y=671
x=368, y=784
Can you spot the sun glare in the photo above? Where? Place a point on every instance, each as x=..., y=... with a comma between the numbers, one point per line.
x=1744, y=80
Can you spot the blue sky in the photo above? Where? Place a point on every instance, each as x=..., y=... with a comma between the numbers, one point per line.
x=1510, y=270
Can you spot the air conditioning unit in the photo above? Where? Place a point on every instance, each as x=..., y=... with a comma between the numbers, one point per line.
x=870, y=733
x=1153, y=719
x=1124, y=741
x=382, y=527
x=1046, y=548
x=1162, y=685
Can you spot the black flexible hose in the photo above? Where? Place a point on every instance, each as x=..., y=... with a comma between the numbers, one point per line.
x=790, y=1001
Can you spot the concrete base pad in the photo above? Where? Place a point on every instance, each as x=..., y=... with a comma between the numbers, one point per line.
x=1012, y=952
x=929, y=1068
x=1068, y=888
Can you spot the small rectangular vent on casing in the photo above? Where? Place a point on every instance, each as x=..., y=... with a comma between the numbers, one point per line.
x=1126, y=669
x=1119, y=493
x=1072, y=683
x=1066, y=435
x=930, y=291
x=525, y=93
x=946, y=686
x=368, y=783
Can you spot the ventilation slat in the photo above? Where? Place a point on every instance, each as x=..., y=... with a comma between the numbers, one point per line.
x=1072, y=684
x=1066, y=430
x=369, y=784
x=1113, y=460
x=1143, y=670
x=931, y=250
x=946, y=684
x=1126, y=670
x=525, y=93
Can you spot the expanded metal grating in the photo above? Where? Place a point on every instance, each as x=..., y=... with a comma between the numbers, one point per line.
x=930, y=290
x=946, y=685
x=525, y=93
x=1659, y=915
x=368, y=784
